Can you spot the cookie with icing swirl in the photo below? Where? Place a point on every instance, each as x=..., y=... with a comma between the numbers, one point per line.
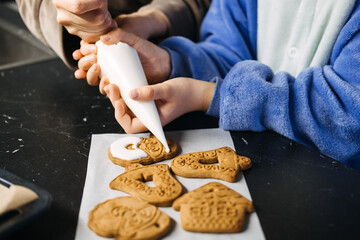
x=128, y=150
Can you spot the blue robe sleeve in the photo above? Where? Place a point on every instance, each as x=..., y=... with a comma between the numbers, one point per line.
x=228, y=35
x=319, y=108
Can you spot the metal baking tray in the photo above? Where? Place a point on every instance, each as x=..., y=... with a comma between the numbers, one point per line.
x=15, y=219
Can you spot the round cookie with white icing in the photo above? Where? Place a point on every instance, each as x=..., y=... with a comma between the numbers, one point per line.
x=129, y=150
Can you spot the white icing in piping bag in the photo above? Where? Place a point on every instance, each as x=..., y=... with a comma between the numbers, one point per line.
x=121, y=64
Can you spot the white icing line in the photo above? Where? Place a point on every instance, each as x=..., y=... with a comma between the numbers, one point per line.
x=118, y=149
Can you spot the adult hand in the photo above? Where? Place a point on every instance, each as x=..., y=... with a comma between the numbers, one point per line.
x=155, y=60
x=88, y=19
x=87, y=63
x=145, y=23
x=173, y=98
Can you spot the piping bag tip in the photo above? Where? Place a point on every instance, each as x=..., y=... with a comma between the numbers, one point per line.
x=121, y=64
x=161, y=137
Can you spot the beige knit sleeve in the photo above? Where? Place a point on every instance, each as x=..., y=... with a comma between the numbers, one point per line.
x=39, y=17
x=185, y=17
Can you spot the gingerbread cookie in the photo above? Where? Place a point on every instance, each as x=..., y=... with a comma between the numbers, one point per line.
x=128, y=150
x=213, y=208
x=132, y=181
x=202, y=164
x=128, y=218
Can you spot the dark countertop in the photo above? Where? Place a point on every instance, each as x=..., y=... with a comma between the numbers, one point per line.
x=46, y=121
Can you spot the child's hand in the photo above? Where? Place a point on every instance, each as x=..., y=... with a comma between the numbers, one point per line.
x=88, y=68
x=145, y=23
x=173, y=98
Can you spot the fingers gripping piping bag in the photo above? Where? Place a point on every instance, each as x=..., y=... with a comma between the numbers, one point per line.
x=121, y=64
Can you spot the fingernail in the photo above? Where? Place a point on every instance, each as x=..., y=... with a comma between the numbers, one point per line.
x=76, y=74
x=106, y=37
x=90, y=58
x=134, y=94
x=93, y=49
x=106, y=89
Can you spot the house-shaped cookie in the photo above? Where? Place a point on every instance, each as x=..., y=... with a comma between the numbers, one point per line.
x=213, y=208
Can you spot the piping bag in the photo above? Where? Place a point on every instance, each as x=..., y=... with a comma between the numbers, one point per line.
x=121, y=64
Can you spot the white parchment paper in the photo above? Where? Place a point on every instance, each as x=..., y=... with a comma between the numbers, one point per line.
x=101, y=171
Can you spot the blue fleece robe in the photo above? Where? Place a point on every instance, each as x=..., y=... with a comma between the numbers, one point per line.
x=319, y=108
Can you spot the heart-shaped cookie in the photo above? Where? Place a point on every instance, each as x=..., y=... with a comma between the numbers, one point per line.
x=132, y=181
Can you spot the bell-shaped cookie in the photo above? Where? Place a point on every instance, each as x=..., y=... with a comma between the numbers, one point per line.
x=203, y=164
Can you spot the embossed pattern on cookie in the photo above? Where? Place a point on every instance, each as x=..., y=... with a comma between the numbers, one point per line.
x=132, y=181
x=213, y=208
x=129, y=150
x=202, y=164
x=128, y=218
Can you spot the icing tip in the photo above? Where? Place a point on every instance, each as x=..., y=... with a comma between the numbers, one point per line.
x=167, y=149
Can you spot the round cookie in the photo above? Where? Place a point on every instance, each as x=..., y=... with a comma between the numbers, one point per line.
x=129, y=150
x=128, y=218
